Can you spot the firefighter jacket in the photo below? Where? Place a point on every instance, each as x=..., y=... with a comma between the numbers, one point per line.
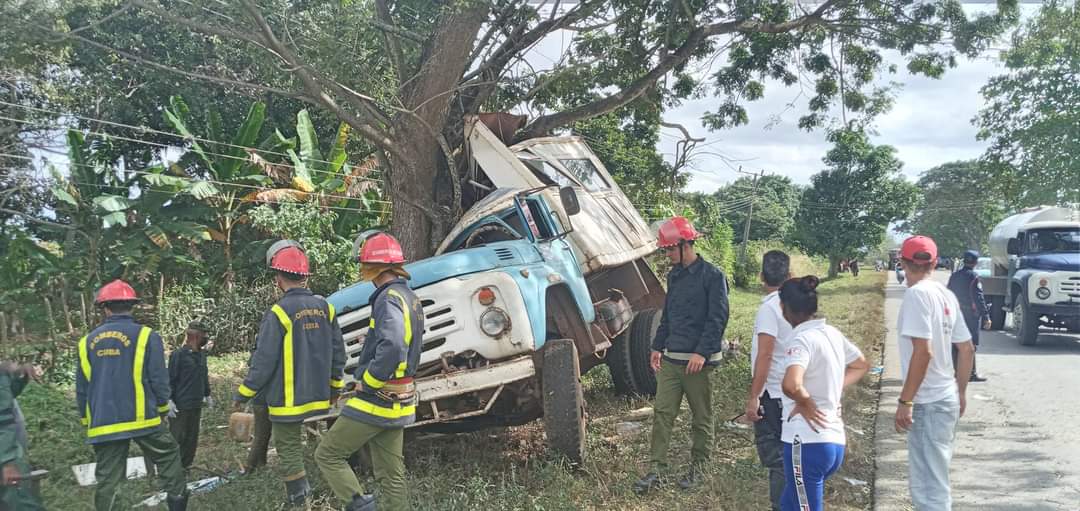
x=299, y=358
x=121, y=385
x=11, y=446
x=389, y=358
x=966, y=286
x=695, y=314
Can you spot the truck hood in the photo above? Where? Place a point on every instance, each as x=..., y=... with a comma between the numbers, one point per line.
x=1055, y=262
x=436, y=269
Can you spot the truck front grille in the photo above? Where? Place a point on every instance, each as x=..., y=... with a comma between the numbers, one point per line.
x=1070, y=287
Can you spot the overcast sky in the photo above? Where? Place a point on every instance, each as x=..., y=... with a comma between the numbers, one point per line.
x=929, y=124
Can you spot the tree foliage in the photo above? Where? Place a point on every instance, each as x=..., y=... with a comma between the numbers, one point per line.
x=1032, y=115
x=958, y=207
x=850, y=204
x=775, y=205
x=404, y=74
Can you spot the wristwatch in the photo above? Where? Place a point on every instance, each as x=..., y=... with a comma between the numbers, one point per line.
x=906, y=403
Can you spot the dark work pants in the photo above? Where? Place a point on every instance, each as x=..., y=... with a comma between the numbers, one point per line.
x=973, y=327
x=261, y=441
x=770, y=448
x=185, y=429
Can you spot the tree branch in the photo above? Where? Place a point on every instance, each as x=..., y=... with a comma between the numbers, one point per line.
x=396, y=57
x=544, y=124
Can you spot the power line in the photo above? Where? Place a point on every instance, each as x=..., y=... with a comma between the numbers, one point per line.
x=158, y=132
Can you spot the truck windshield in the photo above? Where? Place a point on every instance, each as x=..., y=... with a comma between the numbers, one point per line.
x=1054, y=240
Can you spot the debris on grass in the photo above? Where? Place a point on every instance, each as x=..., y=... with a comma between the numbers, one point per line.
x=84, y=474
x=195, y=487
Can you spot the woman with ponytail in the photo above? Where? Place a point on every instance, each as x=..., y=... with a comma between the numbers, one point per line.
x=819, y=363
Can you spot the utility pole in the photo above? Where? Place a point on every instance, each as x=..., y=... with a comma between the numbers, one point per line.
x=749, y=214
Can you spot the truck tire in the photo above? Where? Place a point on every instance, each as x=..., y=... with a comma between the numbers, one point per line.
x=1026, y=323
x=997, y=312
x=642, y=331
x=619, y=361
x=564, y=403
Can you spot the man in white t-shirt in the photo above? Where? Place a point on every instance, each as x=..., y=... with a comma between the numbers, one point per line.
x=763, y=405
x=933, y=398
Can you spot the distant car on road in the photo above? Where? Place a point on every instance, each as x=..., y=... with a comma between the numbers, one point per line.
x=982, y=267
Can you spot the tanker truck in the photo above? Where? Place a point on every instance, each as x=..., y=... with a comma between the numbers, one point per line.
x=1035, y=272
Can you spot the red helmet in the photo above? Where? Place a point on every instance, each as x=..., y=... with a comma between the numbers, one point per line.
x=287, y=256
x=115, y=291
x=379, y=248
x=674, y=231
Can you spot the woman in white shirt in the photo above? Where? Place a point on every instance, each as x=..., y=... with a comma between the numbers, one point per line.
x=819, y=363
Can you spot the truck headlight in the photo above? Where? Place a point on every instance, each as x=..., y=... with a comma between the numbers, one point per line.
x=1042, y=293
x=494, y=322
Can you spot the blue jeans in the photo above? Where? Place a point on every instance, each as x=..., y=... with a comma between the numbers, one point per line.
x=930, y=443
x=806, y=467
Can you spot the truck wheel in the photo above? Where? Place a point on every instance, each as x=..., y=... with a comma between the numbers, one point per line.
x=564, y=403
x=997, y=312
x=619, y=361
x=642, y=331
x=1026, y=323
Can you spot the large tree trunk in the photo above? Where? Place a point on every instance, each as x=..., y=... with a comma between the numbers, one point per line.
x=423, y=210
x=834, y=266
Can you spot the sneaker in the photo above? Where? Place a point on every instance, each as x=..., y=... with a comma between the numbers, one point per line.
x=649, y=482
x=691, y=479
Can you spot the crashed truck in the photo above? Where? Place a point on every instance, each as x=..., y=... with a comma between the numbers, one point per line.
x=543, y=278
x=1035, y=272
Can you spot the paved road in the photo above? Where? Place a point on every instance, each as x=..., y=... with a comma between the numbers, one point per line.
x=1018, y=446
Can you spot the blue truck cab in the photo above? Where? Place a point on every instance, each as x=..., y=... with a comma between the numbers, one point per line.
x=540, y=280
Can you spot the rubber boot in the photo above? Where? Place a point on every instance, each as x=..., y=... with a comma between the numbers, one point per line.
x=361, y=503
x=177, y=503
x=297, y=491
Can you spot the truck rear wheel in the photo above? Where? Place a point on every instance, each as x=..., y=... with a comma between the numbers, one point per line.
x=628, y=358
x=564, y=403
x=1026, y=323
x=997, y=312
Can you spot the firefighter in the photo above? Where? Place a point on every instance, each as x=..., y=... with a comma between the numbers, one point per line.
x=122, y=390
x=686, y=349
x=298, y=363
x=967, y=287
x=385, y=400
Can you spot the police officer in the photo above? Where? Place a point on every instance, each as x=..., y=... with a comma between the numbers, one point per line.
x=965, y=284
x=122, y=389
x=686, y=349
x=189, y=379
x=298, y=363
x=385, y=400
x=14, y=493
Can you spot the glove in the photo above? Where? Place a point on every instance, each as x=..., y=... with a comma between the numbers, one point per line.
x=208, y=401
x=172, y=409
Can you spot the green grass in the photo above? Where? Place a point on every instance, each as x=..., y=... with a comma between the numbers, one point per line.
x=509, y=469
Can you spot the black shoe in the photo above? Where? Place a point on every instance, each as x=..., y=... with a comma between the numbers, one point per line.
x=691, y=479
x=976, y=378
x=361, y=503
x=177, y=503
x=649, y=482
x=297, y=491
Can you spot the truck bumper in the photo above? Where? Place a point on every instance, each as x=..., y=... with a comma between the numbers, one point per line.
x=1059, y=311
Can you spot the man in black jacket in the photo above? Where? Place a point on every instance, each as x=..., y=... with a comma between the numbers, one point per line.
x=687, y=347
x=190, y=383
x=965, y=284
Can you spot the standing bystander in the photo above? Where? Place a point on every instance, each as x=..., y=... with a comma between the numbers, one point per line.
x=933, y=396
x=763, y=406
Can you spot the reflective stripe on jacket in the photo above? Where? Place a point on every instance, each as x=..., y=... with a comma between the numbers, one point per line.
x=299, y=358
x=121, y=385
x=391, y=354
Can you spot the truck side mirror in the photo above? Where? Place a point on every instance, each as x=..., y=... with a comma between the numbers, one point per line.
x=569, y=200
x=1013, y=248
